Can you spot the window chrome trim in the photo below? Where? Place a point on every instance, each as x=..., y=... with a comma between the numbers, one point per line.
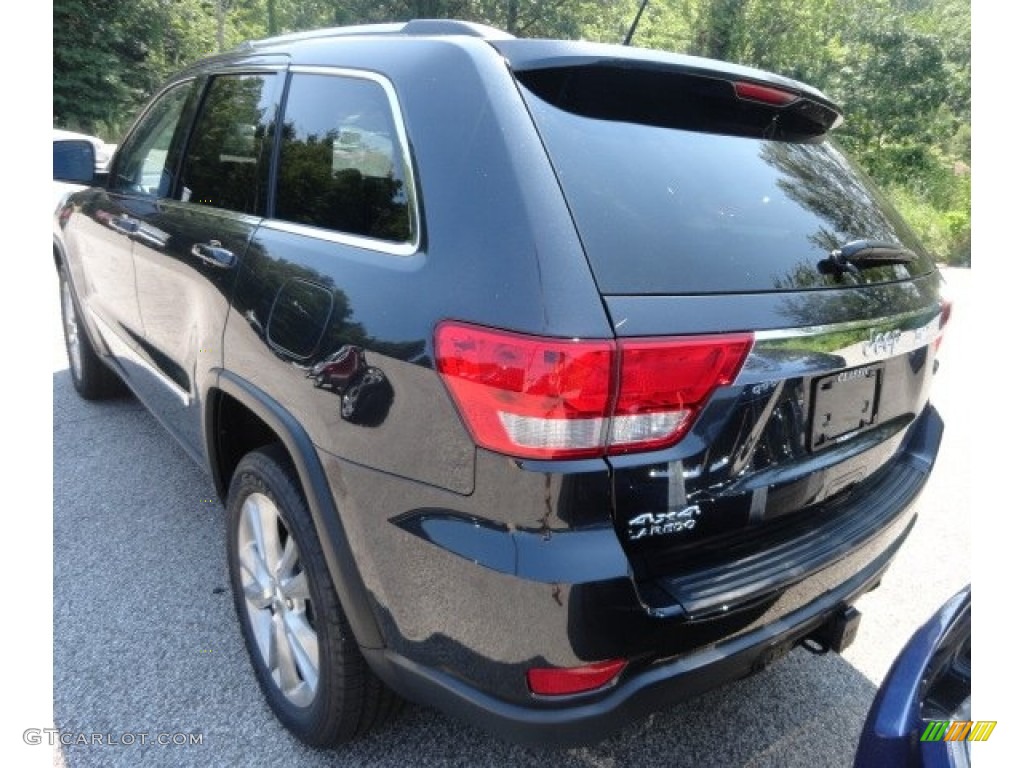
x=255, y=68
x=406, y=248
x=333, y=236
x=251, y=220
x=119, y=348
x=903, y=320
x=821, y=349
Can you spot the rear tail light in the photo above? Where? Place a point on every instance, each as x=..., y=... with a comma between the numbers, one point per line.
x=560, y=681
x=663, y=382
x=536, y=397
x=944, y=314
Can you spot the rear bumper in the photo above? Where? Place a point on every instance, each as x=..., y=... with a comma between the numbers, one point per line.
x=461, y=631
x=655, y=679
x=585, y=718
x=861, y=523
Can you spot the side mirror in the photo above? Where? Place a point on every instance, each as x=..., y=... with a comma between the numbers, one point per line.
x=74, y=160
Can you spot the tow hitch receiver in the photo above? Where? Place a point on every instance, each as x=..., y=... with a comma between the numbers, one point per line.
x=836, y=634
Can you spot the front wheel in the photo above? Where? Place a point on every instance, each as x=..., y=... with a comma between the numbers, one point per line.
x=300, y=644
x=92, y=379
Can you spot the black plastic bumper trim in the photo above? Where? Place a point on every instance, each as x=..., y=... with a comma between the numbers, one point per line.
x=867, y=517
x=639, y=692
x=576, y=556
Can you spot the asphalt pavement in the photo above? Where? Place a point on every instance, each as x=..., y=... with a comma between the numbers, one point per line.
x=147, y=647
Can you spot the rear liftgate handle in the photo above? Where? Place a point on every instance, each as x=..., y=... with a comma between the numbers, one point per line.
x=214, y=254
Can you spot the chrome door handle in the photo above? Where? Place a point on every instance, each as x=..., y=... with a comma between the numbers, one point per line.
x=125, y=225
x=214, y=254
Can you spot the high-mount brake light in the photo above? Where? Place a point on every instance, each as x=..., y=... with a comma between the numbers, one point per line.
x=546, y=398
x=764, y=94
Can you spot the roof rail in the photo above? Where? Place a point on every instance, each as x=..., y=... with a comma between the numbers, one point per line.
x=454, y=27
x=314, y=34
x=417, y=27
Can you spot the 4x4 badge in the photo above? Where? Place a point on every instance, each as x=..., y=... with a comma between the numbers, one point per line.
x=660, y=523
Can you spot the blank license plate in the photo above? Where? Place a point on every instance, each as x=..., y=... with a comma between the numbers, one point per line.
x=844, y=403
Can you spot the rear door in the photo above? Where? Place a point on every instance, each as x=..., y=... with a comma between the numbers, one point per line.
x=711, y=204
x=190, y=243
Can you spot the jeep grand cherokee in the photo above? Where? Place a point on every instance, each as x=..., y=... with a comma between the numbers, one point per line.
x=547, y=383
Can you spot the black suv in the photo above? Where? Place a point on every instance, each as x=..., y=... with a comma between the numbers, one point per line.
x=544, y=382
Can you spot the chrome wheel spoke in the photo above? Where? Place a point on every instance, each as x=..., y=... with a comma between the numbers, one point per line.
x=252, y=565
x=282, y=658
x=251, y=513
x=289, y=559
x=304, y=645
x=261, y=622
x=257, y=591
x=264, y=515
x=296, y=588
x=260, y=527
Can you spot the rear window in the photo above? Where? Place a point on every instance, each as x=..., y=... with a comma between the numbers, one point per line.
x=678, y=187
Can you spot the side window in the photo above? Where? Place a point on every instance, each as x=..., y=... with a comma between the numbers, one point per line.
x=226, y=162
x=341, y=165
x=146, y=161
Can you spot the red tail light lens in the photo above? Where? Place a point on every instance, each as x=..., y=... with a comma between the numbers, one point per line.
x=560, y=681
x=663, y=382
x=944, y=314
x=528, y=396
x=536, y=397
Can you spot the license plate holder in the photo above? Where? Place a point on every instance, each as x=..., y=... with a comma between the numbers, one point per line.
x=844, y=404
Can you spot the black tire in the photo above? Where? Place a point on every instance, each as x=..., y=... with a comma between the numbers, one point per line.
x=345, y=699
x=92, y=379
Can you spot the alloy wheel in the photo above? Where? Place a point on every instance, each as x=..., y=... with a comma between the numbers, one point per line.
x=277, y=599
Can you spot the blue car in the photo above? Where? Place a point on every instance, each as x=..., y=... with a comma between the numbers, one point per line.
x=921, y=715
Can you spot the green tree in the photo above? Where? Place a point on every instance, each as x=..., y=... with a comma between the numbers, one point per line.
x=900, y=69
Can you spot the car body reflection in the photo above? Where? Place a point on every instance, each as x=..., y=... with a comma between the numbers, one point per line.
x=366, y=395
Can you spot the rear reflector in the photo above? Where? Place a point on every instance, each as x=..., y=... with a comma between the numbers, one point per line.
x=554, y=681
x=764, y=94
x=537, y=397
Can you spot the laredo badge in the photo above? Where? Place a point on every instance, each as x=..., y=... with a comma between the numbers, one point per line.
x=651, y=524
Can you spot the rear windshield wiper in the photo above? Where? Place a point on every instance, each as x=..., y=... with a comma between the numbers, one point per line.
x=862, y=254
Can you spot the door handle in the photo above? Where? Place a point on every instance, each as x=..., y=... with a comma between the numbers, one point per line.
x=214, y=254
x=125, y=225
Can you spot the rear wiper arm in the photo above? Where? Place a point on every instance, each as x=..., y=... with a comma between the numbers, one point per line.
x=861, y=254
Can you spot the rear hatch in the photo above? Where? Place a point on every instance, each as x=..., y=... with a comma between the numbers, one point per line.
x=710, y=200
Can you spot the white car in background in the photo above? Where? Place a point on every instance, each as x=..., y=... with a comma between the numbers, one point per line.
x=102, y=150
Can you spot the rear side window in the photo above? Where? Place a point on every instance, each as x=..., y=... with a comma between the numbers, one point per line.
x=226, y=163
x=679, y=187
x=342, y=166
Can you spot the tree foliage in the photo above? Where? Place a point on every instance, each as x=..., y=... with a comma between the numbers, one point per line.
x=899, y=68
